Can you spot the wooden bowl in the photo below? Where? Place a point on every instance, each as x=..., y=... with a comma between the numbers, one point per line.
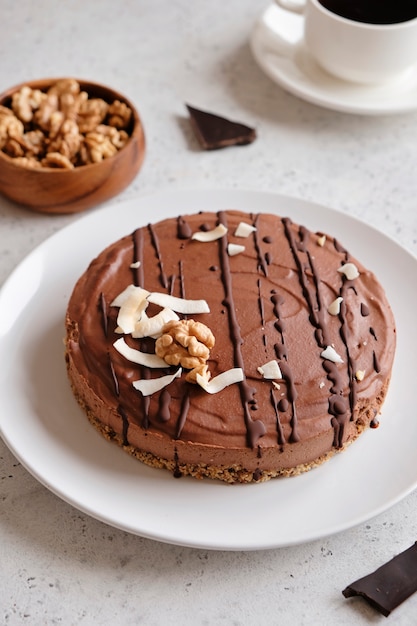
x=51, y=190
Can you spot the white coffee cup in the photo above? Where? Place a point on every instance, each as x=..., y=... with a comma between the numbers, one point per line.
x=356, y=51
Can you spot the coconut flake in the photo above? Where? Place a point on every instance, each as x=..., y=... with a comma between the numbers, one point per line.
x=331, y=355
x=218, y=383
x=180, y=305
x=349, y=270
x=233, y=249
x=136, y=356
x=244, y=230
x=334, y=307
x=135, y=265
x=132, y=302
x=152, y=326
x=210, y=235
x=127, y=293
x=270, y=370
x=148, y=386
x=321, y=240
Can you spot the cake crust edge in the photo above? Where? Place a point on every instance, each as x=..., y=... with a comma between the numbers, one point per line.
x=231, y=473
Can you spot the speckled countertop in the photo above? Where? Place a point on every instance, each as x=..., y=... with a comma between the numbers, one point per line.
x=59, y=566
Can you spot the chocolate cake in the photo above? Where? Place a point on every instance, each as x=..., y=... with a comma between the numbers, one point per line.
x=229, y=345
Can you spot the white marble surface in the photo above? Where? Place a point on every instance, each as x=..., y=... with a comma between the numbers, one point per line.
x=59, y=566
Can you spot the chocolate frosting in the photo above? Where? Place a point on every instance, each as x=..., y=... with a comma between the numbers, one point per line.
x=269, y=302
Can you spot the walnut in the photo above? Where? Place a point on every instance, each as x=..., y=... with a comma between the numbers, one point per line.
x=30, y=144
x=70, y=104
x=47, y=107
x=119, y=115
x=186, y=343
x=25, y=102
x=65, y=86
x=29, y=162
x=21, y=105
x=5, y=111
x=13, y=148
x=91, y=113
x=67, y=140
x=57, y=161
x=98, y=147
x=117, y=137
x=10, y=127
x=191, y=376
x=34, y=142
x=54, y=124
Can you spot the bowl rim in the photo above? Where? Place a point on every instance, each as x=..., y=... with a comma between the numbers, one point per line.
x=39, y=83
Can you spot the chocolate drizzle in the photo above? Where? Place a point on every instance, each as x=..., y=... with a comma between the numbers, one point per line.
x=254, y=428
x=376, y=364
x=282, y=356
x=344, y=333
x=104, y=319
x=114, y=377
x=261, y=304
x=162, y=276
x=185, y=406
x=125, y=424
x=183, y=228
x=138, y=276
x=177, y=472
x=261, y=258
x=313, y=301
x=145, y=403
x=164, y=406
x=280, y=431
x=181, y=274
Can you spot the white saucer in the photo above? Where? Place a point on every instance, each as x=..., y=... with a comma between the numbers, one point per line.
x=278, y=47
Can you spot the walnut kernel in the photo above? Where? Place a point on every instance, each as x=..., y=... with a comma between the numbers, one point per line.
x=186, y=343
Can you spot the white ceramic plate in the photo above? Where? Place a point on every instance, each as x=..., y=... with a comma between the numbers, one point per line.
x=278, y=47
x=44, y=427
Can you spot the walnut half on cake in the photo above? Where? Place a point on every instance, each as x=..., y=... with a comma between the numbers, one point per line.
x=229, y=345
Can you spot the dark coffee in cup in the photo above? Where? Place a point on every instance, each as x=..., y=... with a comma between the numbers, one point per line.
x=373, y=11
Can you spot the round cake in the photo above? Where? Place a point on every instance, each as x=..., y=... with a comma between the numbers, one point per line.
x=229, y=345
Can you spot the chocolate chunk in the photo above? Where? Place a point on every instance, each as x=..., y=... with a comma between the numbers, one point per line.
x=213, y=131
x=389, y=585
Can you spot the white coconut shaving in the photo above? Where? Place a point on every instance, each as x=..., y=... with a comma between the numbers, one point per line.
x=180, y=305
x=270, y=370
x=210, y=235
x=148, y=386
x=132, y=302
x=152, y=326
x=244, y=230
x=233, y=249
x=349, y=270
x=220, y=382
x=136, y=356
x=331, y=355
x=334, y=307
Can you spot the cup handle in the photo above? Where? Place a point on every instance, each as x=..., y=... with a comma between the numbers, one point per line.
x=292, y=5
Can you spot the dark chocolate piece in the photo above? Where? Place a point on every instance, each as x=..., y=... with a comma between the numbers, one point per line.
x=389, y=585
x=213, y=131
